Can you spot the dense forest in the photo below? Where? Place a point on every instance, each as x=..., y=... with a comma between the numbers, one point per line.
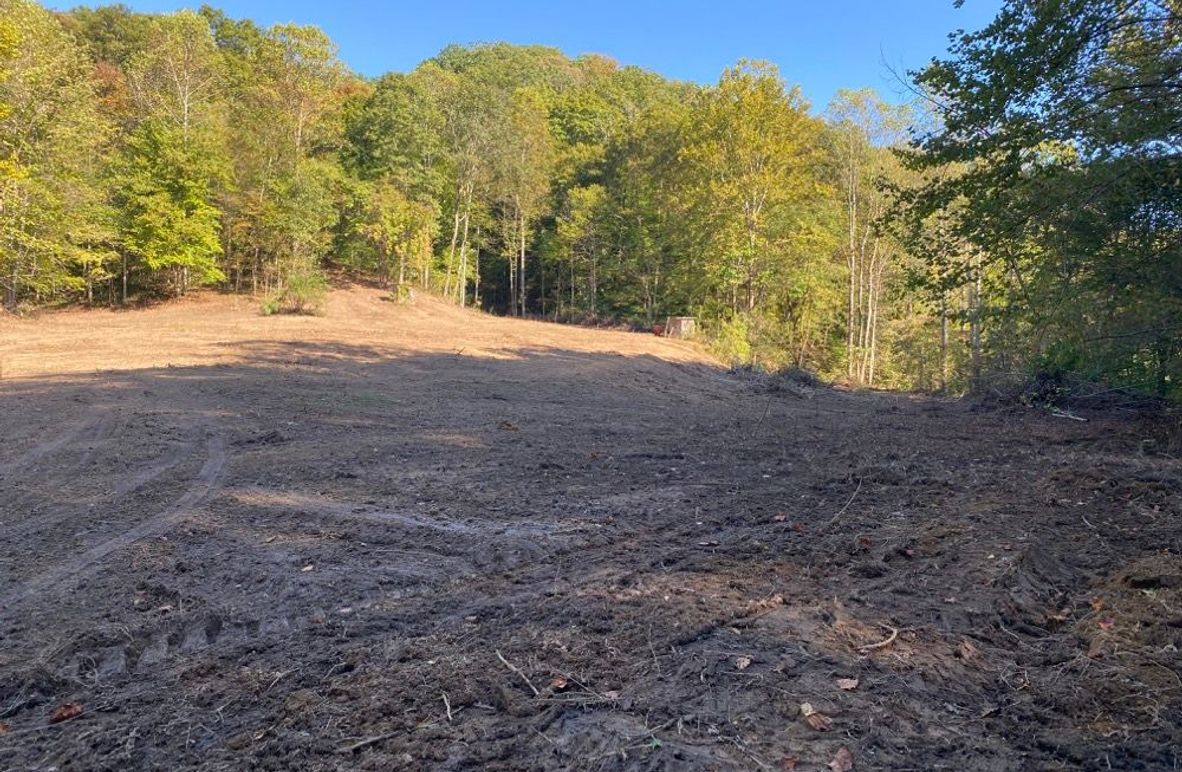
x=1021, y=215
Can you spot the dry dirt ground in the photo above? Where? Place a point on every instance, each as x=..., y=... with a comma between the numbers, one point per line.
x=416, y=537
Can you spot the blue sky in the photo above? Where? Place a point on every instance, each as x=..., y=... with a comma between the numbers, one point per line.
x=821, y=44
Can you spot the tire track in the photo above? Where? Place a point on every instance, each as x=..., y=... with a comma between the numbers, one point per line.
x=65, y=574
x=92, y=431
x=150, y=649
x=141, y=479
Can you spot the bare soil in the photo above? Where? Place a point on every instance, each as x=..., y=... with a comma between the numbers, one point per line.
x=417, y=537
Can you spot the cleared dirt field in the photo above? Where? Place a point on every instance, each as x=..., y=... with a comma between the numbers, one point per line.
x=416, y=537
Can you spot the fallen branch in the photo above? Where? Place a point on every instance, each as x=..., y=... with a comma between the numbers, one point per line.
x=881, y=644
x=517, y=670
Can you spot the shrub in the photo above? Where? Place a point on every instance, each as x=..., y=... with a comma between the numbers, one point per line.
x=304, y=293
x=730, y=343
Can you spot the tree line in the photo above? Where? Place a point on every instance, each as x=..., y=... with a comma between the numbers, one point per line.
x=1006, y=221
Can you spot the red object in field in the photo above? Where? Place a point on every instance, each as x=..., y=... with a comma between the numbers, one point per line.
x=658, y=329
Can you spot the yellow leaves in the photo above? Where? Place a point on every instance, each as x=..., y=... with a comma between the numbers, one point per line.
x=9, y=169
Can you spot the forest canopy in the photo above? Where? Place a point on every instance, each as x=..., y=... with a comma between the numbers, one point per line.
x=1020, y=216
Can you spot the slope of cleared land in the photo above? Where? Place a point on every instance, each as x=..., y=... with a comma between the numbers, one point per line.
x=413, y=536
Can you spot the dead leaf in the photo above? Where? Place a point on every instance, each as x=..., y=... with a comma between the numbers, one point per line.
x=742, y=663
x=967, y=651
x=65, y=712
x=843, y=761
x=1106, y=624
x=818, y=721
x=788, y=763
x=847, y=684
x=505, y=426
x=1097, y=603
x=4, y=727
x=307, y=568
x=558, y=683
x=780, y=518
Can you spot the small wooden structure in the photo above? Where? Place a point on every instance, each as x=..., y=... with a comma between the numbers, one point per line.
x=680, y=327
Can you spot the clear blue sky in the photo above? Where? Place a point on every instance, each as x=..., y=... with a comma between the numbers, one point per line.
x=821, y=44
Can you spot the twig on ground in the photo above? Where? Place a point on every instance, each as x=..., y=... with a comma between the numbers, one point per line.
x=881, y=644
x=377, y=738
x=447, y=707
x=653, y=650
x=841, y=511
x=517, y=670
x=759, y=424
x=279, y=677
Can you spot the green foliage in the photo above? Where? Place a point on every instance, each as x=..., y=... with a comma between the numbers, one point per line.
x=305, y=292
x=167, y=218
x=729, y=340
x=1053, y=173
x=397, y=134
x=507, y=175
x=399, y=230
x=55, y=230
x=1033, y=224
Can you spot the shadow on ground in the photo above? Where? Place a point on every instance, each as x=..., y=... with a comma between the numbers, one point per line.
x=335, y=556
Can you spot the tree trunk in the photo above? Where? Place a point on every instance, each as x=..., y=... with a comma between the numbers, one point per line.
x=852, y=260
x=850, y=321
x=874, y=290
x=451, y=252
x=513, y=283
x=476, y=270
x=10, y=291
x=975, y=328
x=943, y=342
x=593, y=279
x=521, y=264
x=462, y=279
